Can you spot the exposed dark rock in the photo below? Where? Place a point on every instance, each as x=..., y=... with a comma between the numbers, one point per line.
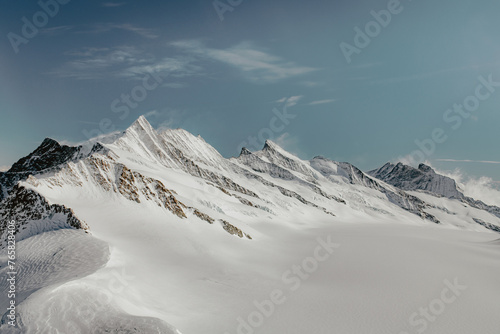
x=231, y=229
x=27, y=208
x=489, y=226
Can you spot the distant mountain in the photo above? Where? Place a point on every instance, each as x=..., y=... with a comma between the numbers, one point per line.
x=425, y=179
x=421, y=178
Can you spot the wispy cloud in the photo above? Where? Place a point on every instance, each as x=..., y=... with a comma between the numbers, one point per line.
x=166, y=118
x=473, y=161
x=152, y=113
x=99, y=63
x=482, y=188
x=4, y=168
x=289, y=143
x=256, y=65
x=313, y=103
x=178, y=67
x=100, y=28
x=171, y=118
x=121, y=62
x=290, y=101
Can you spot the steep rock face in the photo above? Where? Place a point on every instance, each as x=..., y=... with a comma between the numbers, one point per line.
x=50, y=153
x=424, y=178
x=45, y=157
x=32, y=215
x=48, y=157
x=489, y=226
x=132, y=184
x=353, y=175
x=494, y=210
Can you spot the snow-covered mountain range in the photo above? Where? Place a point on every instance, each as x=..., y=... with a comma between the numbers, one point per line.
x=117, y=184
x=139, y=164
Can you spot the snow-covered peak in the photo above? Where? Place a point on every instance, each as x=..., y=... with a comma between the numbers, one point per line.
x=141, y=144
x=142, y=122
x=273, y=151
x=274, y=154
x=272, y=147
x=142, y=126
x=269, y=145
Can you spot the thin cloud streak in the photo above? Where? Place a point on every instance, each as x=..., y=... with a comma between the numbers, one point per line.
x=290, y=101
x=100, y=28
x=122, y=62
x=473, y=161
x=313, y=103
x=52, y=31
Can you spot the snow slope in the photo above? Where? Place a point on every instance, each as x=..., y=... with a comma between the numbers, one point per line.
x=203, y=281
x=52, y=295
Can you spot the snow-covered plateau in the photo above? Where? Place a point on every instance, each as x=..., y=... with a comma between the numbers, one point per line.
x=156, y=232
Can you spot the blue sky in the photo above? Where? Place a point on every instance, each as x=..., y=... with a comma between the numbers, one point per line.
x=266, y=69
